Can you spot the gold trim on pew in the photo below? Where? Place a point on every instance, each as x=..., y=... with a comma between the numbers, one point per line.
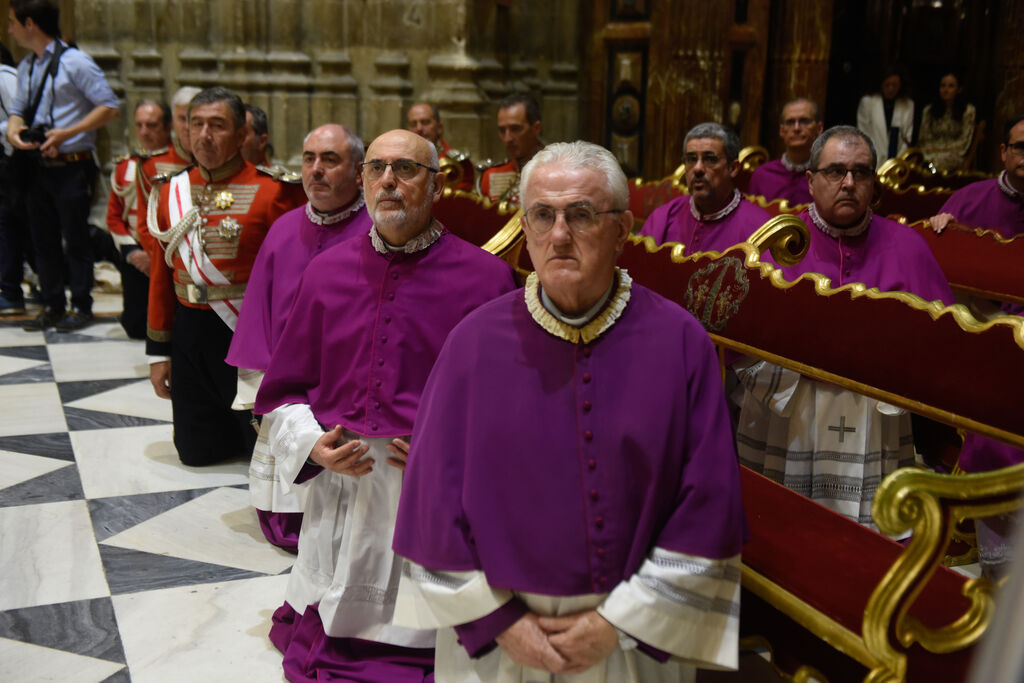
x=783, y=204
x=930, y=504
x=786, y=236
x=486, y=202
x=503, y=241
x=751, y=157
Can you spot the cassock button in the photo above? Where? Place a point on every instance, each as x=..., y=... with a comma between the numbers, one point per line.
x=591, y=463
x=603, y=580
x=600, y=552
x=374, y=426
x=377, y=383
x=387, y=319
x=586, y=378
x=593, y=494
x=588, y=435
x=599, y=522
x=587, y=406
x=847, y=273
x=376, y=404
x=383, y=340
x=391, y=296
x=380, y=361
x=394, y=276
x=586, y=352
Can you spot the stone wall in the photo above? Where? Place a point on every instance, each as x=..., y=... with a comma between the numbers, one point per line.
x=358, y=62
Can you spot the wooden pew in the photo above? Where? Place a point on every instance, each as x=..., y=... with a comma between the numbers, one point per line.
x=750, y=158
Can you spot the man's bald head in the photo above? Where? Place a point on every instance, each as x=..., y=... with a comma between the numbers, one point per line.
x=399, y=196
x=330, y=167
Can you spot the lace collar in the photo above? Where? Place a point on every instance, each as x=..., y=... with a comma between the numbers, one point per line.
x=318, y=218
x=717, y=215
x=1008, y=189
x=836, y=233
x=794, y=167
x=599, y=323
x=417, y=243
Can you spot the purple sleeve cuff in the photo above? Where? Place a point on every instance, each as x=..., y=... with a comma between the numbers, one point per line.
x=478, y=637
x=307, y=472
x=652, y=652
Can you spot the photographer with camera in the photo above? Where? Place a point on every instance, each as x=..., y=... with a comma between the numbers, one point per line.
x=63, y=98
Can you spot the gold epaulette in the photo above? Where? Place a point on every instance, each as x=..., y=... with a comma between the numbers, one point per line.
x=485, y=164
x=164, y=177
x=121, y=157
x=147, y=154
x=280, y=174
x=457, y=155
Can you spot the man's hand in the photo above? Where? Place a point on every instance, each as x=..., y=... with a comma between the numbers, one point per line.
x=526, y=643
x=54, y=138
x=583, y=639
x=344, y=459
x=160, y=377
x=140, y=259
x=940, y=222
x=399, y=449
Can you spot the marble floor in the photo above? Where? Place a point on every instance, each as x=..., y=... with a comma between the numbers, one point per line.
x=117, y=562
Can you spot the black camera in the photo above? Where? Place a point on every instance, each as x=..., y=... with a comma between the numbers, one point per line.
x=36, y=133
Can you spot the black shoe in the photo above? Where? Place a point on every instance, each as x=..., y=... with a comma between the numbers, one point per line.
x=74, y=320
x=48, y=318
x=11, y=306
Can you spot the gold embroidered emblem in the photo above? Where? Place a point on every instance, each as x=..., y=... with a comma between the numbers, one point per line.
x=224, y=200
x=229, y=229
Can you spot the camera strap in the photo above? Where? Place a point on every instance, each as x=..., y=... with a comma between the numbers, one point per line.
x=51, y=72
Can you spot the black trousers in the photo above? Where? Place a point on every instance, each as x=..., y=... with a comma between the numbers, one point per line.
x=135, y=297
x=59, y=198
x=206, y=429
x=15, y=240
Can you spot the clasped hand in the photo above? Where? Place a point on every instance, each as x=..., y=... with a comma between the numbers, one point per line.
x=569, y=644
x=349, y=457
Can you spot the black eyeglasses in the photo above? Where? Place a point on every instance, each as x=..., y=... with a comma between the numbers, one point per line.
x=579, y=217
x=404, y=169
x=803, y=122
x=835, y=173
x=709, y=158
x=1016, y=147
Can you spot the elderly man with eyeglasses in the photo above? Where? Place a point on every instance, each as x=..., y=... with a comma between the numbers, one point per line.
x=786, y=177
x=339, y=398
x=714, y=216
x=829, y=444
x=572, y=503
x=996, y=204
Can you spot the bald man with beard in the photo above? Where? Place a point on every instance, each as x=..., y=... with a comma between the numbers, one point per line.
x=339, y=399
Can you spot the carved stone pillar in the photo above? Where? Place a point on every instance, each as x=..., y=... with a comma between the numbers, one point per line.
x=390, y=89
x=799, y=61
x=454, y=92
x=192, y=29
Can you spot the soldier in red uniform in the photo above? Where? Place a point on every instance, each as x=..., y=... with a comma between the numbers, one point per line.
x=210, y=221
x=153, y=129
x=424, y=119
x=519, y=126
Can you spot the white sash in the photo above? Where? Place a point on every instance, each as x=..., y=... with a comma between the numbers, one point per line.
x=197, y=263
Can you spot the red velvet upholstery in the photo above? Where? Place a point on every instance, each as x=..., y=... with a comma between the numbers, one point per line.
x=981, y=373
x=979, y=262
x=911, y=203
x=644, y=198
x=470, y=219
x=834, y=564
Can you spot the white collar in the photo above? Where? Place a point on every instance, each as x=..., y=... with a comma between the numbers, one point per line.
x=417, y=243
x=319, y=218
x=717, y=215
x=600, y=320
x=1008, y=189
x=794, y=167
x=836, y=233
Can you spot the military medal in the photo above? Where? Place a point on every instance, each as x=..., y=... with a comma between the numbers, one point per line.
x=229, y=229
x=223, y=200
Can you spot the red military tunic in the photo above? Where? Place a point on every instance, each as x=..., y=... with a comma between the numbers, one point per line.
x=501, y=183
x=158, y=166
x=238, y=192
x=122, y=206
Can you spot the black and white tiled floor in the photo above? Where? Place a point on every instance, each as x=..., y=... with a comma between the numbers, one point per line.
x=117, y=562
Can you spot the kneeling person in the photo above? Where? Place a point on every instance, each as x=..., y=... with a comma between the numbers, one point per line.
x=573, y=489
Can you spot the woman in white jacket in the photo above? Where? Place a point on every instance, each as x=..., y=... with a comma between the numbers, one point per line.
x=887, y=117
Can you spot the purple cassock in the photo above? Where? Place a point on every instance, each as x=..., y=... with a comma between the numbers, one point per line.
x=357, y=348
x=292, y=242
x=886, y=255
x=772, y=180
x=981, y=454
x=557, y=467
x=993, y=204
x=677, y=222
x=373, y=324
x=294, y=239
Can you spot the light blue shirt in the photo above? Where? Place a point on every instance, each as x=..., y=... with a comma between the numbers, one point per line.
x=79, y=88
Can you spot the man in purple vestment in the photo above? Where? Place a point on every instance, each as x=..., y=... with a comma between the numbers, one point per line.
x=331, y=155
x=714, y=216
x=339, y=398
x=996, y=203
x=826, y=443
x=572, y=502
x=786, y=178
